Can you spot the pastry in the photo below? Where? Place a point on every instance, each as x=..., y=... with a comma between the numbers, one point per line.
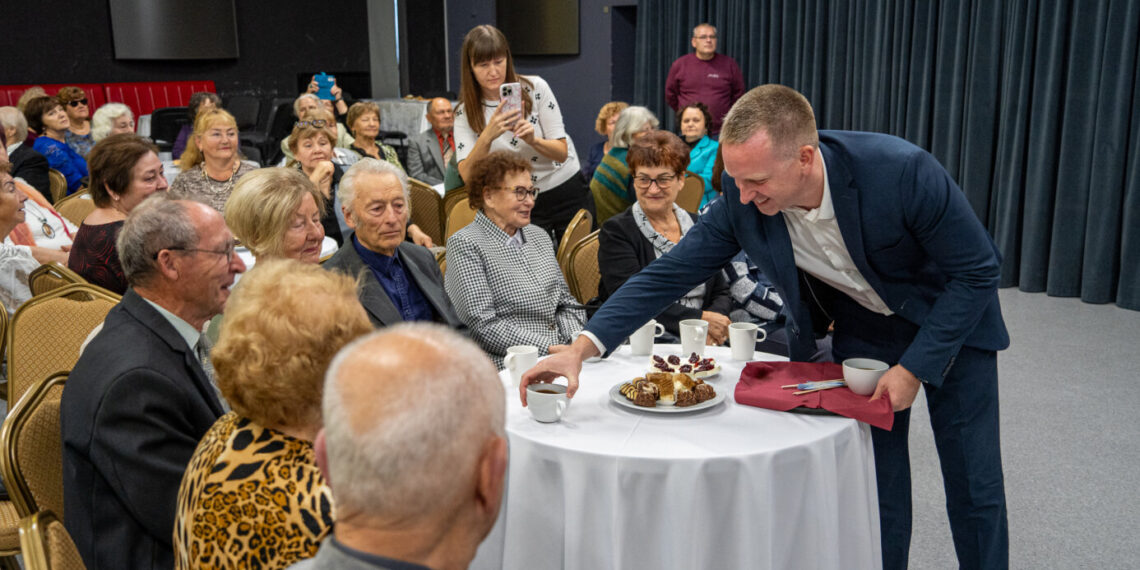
x=694, y=365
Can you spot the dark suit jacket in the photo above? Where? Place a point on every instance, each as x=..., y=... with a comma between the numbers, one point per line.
x=422, y=267
x=132, y=413
x=30, y=165
x=623, y=252
x=907, y=226
x=425, y=161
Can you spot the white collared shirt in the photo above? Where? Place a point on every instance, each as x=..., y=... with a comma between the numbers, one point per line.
x=819, y=250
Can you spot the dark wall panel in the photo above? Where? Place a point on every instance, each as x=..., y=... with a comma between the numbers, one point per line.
x=426, y=47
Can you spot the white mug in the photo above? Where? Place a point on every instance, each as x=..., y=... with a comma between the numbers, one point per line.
x=519, y=359
x=743, y=337
x=546, y=402
x=862, y=374
x=641, y=341
x=693, y=333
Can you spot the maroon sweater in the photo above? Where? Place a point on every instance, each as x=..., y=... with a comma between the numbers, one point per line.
x=717, y=83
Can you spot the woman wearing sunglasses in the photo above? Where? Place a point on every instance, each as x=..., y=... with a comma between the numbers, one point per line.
x=47, y=117
x=78, y=135
x=502, y=276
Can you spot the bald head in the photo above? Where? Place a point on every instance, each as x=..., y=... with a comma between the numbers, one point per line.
x=440, y=115
x=408, y=412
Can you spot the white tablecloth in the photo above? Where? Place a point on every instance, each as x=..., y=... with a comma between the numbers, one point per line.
x=728, y=487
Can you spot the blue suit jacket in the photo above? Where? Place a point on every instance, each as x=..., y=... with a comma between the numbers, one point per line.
x=907, y=226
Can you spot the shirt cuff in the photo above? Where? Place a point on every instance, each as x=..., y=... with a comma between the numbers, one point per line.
x=597, y=343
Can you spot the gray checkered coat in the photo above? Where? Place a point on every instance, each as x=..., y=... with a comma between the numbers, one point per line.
x=508, y=295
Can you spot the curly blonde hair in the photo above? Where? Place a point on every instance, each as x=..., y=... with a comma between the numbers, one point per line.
x=611, y=109
x=283, y=325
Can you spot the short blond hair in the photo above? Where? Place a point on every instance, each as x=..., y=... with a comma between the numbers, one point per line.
x=782, y=112
x=282, y=326
x=192, y=156
x=608, y=110
x=262, y=205
x=358, y=110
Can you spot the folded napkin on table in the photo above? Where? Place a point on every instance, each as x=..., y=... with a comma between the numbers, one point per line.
x=760, y=386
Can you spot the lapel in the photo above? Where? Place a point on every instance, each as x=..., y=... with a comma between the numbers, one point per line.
x=372, y=294
x=153, y=320
x=433, y=148
x=422, y=279
x=845, y=196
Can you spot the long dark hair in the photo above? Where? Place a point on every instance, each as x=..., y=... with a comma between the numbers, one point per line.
x=481, y=44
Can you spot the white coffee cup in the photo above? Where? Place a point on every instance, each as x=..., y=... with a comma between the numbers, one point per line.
x=546, y=402
x=743, y=337
x=862, y=374
x=693, y=333
x=519, y=359
x=641, y=341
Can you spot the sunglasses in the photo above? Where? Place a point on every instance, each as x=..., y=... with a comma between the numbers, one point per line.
x=77, y=102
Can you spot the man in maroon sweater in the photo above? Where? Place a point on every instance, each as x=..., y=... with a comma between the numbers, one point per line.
x=705, y=76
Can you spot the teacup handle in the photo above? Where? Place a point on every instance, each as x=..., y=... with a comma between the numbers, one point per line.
x=561, y=404
x=658, y=330
x=700, y=331
x=761, y=334
x=508, y=360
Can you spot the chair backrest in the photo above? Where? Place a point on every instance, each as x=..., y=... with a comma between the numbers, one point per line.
x=245, y=110
x=51, y=276
x=58, y=185
x=689, y=198
x=449, y=199
x=425, y=209
x=577, y=229
x=441, y=259
x=3, y=332
x=31, y=452
x=47, y=331
x=584, y=272
x=76, y=207
x=250, y=152
x=460, y=215
x=165, y=124
x=46, y=545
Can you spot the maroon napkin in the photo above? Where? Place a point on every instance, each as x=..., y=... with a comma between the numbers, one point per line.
x=760, y=386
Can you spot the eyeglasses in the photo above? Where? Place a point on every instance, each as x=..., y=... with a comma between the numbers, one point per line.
x=706, y=37
x=644, y=182
x=521, y=192
x=77, y=102
x=228, y=252
x=315, y=123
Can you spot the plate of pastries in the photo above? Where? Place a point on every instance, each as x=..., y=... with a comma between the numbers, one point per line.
x=670, y=391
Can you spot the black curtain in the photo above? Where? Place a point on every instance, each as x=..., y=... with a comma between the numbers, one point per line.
x=1032, y=106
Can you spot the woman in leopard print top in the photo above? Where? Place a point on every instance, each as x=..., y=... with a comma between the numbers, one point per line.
x=252, y=495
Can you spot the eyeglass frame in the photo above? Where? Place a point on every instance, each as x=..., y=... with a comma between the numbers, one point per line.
x=315, y=123
x=644, y=183
x=229, y=252
x=705, y=37
x=77, y=102
x=521, y=192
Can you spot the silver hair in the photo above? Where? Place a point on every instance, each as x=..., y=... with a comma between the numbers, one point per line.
x=297, y=103
x=630, y=121
x=159, y=222
x=104, y=117
x=417, y=445
x=11, y=117
x=346, y=191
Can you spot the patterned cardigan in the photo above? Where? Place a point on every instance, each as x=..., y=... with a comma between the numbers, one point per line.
x=507, y=295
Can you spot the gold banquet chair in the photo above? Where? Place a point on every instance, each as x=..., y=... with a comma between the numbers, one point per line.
x=427, y=206
x=459, y=217
x=584, y=272
x=52, y=276
x=47, y=545
x=31, y=449
x=58, y=184
x=689, y=198
x=76, y=207
x=47, y=331
x=448, y=202
x=577, y=229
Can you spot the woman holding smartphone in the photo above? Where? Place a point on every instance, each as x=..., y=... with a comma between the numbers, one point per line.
x=532, y=127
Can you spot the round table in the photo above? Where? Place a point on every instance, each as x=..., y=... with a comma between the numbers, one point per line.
x=732, y=486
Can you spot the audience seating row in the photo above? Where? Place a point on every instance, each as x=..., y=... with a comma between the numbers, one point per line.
x=142, y=97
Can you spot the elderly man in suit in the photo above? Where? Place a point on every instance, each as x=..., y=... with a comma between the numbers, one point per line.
x=431, y=150
x=867, y=231
x=402, y=281
x=398, y=506
x=141, y=397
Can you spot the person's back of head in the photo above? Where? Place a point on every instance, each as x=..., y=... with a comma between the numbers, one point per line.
x=414, y=422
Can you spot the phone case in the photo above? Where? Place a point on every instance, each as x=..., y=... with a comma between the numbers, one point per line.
x=510, y=97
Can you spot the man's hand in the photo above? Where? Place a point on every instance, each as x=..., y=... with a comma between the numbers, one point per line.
x=567, y=361
x=718, y=328
x=901, y=386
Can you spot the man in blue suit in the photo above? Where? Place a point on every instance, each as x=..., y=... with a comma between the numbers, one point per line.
x=868, y=232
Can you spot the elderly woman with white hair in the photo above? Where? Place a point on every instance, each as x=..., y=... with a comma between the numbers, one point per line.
x=610, y=184
x=112, y=119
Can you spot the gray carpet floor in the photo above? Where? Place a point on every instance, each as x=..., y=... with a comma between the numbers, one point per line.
x=1070, y=432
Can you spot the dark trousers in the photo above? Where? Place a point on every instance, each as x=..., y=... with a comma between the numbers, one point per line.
x=555, y=207
x=964, y=418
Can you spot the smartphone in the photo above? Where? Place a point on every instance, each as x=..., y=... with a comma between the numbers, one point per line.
x=325, y=83
x=510, y=97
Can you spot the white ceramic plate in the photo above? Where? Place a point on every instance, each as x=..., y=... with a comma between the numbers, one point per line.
x=621, y=400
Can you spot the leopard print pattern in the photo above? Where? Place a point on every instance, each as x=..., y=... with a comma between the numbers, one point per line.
x=251, y=497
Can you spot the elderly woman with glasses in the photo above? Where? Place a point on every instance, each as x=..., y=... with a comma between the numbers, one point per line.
x=125, y=170
x=651, y=227
x=610, y=184
x=502, y=276
x=212, y=163
x=47, y=117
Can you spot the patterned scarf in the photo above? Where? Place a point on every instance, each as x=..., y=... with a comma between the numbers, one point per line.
x=694, y=299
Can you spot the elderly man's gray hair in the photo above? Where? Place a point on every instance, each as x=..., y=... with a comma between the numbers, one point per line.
x=631, y=121
x=347, y=189
x=159, y=222
x=297, y=103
